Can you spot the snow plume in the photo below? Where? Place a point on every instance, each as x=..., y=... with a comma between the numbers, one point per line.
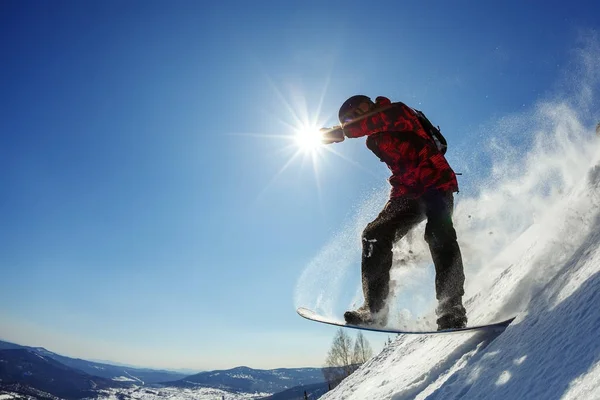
x=536, y=204
x=523, y=218
x=337, y=266
x=527, y=194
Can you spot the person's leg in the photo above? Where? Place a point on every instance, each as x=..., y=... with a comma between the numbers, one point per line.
x=397, y=217
x=450, y=278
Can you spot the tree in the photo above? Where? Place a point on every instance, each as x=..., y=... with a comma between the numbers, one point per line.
x=338, y=364
x=362, y=350
x=345, y=357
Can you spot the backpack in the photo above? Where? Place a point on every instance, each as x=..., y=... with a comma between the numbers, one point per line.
x=433, y=132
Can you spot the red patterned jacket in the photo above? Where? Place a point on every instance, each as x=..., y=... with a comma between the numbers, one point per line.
x=396, y=136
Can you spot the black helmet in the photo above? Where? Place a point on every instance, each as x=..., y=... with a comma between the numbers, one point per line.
x=349, y=110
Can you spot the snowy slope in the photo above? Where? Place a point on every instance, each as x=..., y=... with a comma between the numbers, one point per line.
x=531, y=243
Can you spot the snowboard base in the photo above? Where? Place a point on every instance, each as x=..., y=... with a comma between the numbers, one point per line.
x=313, y=316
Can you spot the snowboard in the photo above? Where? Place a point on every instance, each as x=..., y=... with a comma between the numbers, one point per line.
x=313, y=316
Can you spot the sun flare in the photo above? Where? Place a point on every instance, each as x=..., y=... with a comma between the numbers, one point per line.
x=308, y=138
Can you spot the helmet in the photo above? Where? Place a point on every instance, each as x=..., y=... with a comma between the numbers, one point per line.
x=349, y=110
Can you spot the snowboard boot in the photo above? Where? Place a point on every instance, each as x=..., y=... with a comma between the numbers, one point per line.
x=451, y=315
x=450, y=321
x=364, y=317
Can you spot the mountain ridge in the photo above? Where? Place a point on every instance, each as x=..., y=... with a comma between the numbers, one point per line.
x=250, y=380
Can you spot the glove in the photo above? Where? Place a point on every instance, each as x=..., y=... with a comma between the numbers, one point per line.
x=332, y=135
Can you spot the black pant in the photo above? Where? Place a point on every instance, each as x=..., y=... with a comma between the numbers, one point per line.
x=397, y=218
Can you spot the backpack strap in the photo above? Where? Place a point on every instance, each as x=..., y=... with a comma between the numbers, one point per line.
x=433, y=132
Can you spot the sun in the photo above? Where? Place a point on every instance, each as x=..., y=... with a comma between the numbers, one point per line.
x=308, y=138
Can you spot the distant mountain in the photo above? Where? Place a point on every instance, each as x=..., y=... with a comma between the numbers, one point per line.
x=31, y=369
x=138, y=376
x=244, y=379
x=182, y=371
x=313, y=391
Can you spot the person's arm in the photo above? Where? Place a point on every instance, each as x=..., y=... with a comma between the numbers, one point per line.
x=332, y=135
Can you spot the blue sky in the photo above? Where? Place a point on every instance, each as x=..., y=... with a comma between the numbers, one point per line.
x=150, y=212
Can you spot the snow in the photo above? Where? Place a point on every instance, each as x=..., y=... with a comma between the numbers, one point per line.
x=144, y=393
x=531, y=245
x=123, y=379
x=134, y=377
x=242, y=376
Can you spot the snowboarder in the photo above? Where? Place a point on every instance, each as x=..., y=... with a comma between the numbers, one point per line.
x=422, y=184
